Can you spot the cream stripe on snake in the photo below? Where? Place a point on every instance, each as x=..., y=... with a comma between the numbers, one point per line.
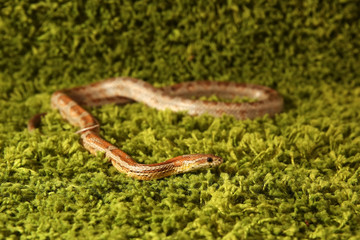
x=176, y=98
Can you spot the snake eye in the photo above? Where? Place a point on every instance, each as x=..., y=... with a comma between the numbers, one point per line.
x=209, y=160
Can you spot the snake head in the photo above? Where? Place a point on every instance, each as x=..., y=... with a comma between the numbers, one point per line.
x=194, y=162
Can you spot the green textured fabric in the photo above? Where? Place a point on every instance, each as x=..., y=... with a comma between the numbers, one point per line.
x=295, y=176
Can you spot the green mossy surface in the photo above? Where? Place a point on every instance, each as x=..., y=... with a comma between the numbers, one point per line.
x=295, y=176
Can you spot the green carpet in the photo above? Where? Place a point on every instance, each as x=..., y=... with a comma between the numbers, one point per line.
x=295, y=176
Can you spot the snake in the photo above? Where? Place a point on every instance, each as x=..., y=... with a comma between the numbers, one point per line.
x=178, y=97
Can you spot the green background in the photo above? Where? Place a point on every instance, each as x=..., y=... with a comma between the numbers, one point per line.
x=293, y=176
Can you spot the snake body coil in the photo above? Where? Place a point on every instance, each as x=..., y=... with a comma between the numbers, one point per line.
x=175, y=98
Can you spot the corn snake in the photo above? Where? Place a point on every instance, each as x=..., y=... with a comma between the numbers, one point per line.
x=123, y=90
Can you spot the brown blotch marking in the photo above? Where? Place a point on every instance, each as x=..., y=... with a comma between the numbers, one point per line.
x=228, y=104
x=176, y=87
x=257, y=103
x=208, y=102
x=101, y=92
x=76, y=111
x=102, y=142
x=88, y=95
x=190, y=87
x=96, y=100
x=226, y=84
x=163, y=94
x=87, y=120
x=134, y=80
x=219, y=111
x=120, y=87
x=204, y=83
x=123, y=156
x=64, y=100
x=240, y=86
